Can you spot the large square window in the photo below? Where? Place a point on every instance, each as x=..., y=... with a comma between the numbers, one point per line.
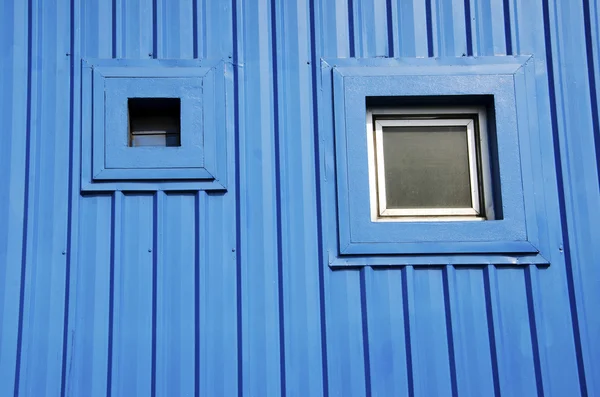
x=432, y=162
x=429, y=164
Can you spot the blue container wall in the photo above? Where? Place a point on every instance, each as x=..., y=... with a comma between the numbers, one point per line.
x=180, y=294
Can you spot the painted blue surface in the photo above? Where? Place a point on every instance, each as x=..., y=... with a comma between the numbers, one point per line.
x=145, y=292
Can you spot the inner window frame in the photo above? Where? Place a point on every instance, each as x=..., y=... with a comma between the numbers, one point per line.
x=474, y=119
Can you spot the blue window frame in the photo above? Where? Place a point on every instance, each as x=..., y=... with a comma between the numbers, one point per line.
x=355, y=238
x=108, y=160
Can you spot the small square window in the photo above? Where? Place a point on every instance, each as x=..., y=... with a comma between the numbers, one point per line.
x=429, y=164
x=155, y=125
x=154, y=122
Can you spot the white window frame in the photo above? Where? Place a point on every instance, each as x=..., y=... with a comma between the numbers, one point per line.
x=479, y=171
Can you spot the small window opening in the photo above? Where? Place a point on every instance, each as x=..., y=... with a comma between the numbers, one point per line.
x=429, y=164
x=154, y=122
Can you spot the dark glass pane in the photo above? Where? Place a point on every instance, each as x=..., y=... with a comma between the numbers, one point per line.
x=426, y=167
x=154, y=125
x=154, y=116
x=173, y=140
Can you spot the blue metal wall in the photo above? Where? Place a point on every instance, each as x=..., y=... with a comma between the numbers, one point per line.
x=143, y=294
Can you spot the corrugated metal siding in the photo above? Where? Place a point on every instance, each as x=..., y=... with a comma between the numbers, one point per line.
x=230, y=294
